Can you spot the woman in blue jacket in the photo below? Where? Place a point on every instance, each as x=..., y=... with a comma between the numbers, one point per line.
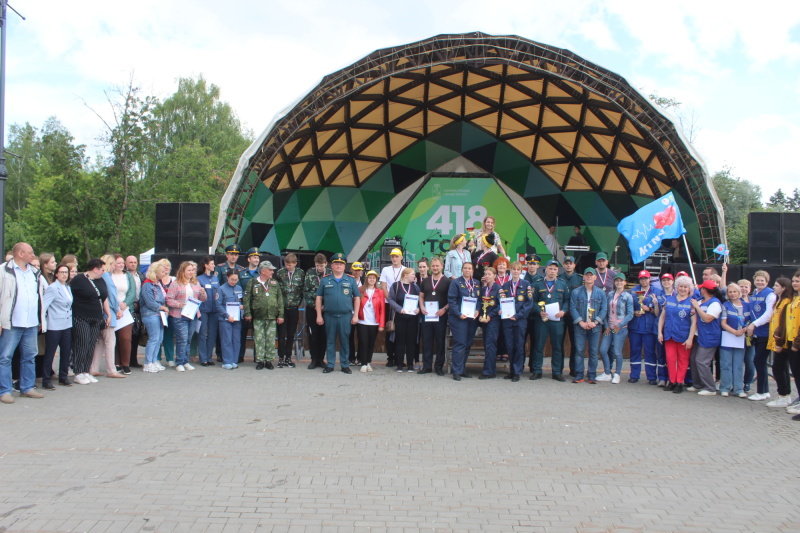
x=708, y=336
x=620, y=313
x=230, y=327
x=57, y=306
x=152, y=303
x=734, y=320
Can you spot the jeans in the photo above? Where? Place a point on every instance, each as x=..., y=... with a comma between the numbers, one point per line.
x=614, y=342
x=184, y=329
x=582, y=338
x=155, y=334
x=749, y=364
x=760, y=362
x=168, y=341
x=26, y=339
x=209, y=326
x=731, y=370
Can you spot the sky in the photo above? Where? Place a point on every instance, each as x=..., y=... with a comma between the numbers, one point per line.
x=733, y=66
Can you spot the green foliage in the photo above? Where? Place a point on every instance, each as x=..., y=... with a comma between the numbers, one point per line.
x=781, y=202
x=737, y=242
x=738, y=197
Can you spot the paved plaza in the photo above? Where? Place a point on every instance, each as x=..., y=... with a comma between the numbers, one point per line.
x=296, y=450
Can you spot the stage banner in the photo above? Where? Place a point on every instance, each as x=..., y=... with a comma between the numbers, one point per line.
x=445, y=207
x=647, y=227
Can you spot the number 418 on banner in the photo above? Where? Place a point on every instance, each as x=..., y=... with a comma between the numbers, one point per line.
x=440, y=220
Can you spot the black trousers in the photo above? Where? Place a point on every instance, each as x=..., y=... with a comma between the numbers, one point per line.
x=57, y=339
x=434, y=337
x=287, y=331
x=366, y=342
x=405, y=339
x=317, y=340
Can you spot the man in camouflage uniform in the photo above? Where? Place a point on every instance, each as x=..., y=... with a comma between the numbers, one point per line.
x=317, y=340
x=292, y=281
x=263, y=306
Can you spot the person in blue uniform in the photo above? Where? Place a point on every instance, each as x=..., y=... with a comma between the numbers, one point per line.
x=642, y=333
x=532, y=275
x=232, y=256
x=549, y=290
x=462, y=326
x=230, y=322
x=763, y=301
x=339, y=296
x=514, y=328
x=709, y=332
x=489, y=321
x=589, y=307
x=573, y=281
x=209, y=312
x=245, y=275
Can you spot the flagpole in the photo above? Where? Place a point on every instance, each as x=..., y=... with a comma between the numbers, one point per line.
x=689, y=257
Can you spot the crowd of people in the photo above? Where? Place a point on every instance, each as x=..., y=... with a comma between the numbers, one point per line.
x=712, y=338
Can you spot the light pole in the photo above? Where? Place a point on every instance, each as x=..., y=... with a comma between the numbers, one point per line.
x=3, y=169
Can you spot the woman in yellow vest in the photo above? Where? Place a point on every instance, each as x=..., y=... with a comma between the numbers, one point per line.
x=780, y=364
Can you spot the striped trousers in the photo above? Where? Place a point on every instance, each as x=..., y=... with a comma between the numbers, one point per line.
x=85, y=332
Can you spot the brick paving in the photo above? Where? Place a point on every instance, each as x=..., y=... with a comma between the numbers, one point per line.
x=298, y=451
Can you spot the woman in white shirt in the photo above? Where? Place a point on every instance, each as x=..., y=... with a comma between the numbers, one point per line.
x=126, y=295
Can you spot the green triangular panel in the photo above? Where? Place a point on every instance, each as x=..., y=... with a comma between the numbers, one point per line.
x=283, y=233
x=330, y=241
x=271, y=244
x=350, y=232
x=516, y=178
x=261, y=195
x=413, y=157
x=472, y=137
x=315, y=231
x=306, y=198
x=592, y=208
x=381, y=181
x=265, y=213
x=298, y=240
x=438, y=155
x=290, y=212
x=506, y=158
x=321, y=210
x=354, y=210
x=539, y=184
x=374, y=202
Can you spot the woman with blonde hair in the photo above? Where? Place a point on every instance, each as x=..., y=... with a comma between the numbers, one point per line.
x=106, y=344
x=185, y=289
x=486, y=228
x=734, y=319
x=676, y=329
x=456, y=256
x=406, y=323
x=153, y=302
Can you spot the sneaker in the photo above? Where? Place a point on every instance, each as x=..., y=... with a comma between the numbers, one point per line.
x=615, y=379
x=661, y=383
x=227, y=366
x=170, y=363
x=742, y=395
x=604, y=377
x=707, y=393
x=159, y=367
x=81, y=379
x=187, y=366
x=364, y=369
x=717, y=385
x=410, y=369
x=7, y=398
x=795, y=402
x=757, y=397
x=180, y=368
x=782, y=401
x=126, y=370
x=33, y=393
x=793, y=409
x=369, y=367
x=280, y=363
x=692, y=389
x=91, y=378
x=724, y=394
x=289, y=363
x=400, y=369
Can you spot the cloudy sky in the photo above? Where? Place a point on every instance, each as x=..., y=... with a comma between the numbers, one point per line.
x=734, y=66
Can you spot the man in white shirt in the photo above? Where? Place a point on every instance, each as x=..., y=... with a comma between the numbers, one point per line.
x=20, y=318
x=551, y=242
x=389, y=275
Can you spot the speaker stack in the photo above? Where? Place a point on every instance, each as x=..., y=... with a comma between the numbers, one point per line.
x=182, y=232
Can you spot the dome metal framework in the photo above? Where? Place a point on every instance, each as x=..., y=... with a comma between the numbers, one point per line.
x=582, y=126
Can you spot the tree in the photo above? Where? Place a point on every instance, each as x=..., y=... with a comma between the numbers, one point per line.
x=737, y=196
x=687, y=118
x=778, y=201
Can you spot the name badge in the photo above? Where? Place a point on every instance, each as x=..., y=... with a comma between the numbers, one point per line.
x=208, y=286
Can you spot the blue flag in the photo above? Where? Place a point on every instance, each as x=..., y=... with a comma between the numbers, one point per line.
x=647, y=227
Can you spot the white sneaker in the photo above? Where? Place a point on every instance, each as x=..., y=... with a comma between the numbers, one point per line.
x=661, y=383
x=159, y=367
x=782, y=401
x=187, y=366
x=603, y=377
x=724, y=394
x=81, y=379
x=692, y=389
x=369, y=367
x=795, y=402
x=615, y=379
x=170, y=363
x=793, y=409
x=364, y=369
x=180, y=368
x=757, y=397
x=742, y=394
x=91, y=378
x=707, y=393
x=717, y=385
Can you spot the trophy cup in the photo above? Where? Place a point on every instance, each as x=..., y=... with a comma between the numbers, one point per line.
x=487, y=301
x=640, y=296
x=590, y=313
x=541, y=306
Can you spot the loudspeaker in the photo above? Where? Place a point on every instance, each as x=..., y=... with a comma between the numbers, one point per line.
x=790, y=254
x=386, y=253
x=765, y=238
x=194, y=228
x=168, y=231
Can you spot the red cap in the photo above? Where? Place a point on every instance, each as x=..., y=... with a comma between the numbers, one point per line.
x=708, y=285
x=644, y=274
x=682, y=273
x=667, y=275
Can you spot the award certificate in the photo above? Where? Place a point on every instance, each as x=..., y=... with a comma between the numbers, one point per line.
x=469, y=305
x=507, y=308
